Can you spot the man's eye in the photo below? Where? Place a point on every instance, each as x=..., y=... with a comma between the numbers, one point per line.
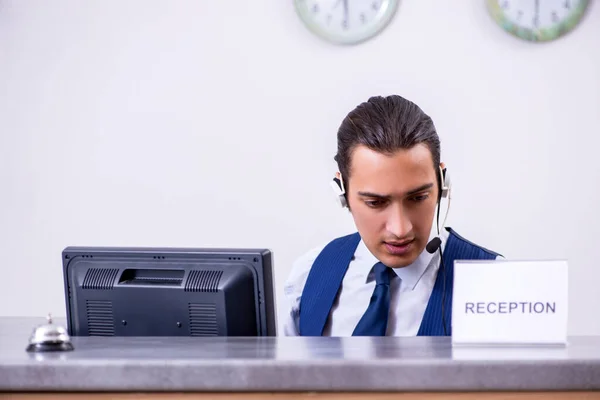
x=420, y=198
x=374, y=203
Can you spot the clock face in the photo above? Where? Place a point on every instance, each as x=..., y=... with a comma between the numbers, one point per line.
x=346, y=21
x=537, y=20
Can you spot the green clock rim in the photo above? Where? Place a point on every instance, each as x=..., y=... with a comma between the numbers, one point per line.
x=388, y=15
x=540, y=35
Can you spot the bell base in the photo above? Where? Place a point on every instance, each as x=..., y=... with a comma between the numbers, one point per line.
x=42, y=347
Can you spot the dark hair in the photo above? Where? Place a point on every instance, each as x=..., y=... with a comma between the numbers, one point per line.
x=385, y=125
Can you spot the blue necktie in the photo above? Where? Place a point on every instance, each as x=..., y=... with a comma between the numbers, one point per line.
x=374, y=320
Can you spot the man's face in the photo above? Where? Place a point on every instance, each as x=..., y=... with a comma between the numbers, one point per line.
x=393, y=199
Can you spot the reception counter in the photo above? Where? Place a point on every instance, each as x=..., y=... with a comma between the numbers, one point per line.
x=293, y=367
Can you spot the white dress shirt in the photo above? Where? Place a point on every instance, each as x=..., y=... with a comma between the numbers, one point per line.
x=410, y=291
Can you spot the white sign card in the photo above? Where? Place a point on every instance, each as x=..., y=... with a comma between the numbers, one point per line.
x=510, y=302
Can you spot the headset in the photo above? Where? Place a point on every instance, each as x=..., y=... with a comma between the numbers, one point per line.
x=445, y=186
x=435, y=244
x=339, y=190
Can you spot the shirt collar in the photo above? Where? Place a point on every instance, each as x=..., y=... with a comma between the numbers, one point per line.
x=410, y=275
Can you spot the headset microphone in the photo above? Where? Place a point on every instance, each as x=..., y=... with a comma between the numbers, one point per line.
x=433, y=245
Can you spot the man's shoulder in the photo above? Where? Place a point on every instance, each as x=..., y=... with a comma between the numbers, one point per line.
x=300, y=269
x=311, y=255
x=303, y=264
x=458, y=238
x=306, y=259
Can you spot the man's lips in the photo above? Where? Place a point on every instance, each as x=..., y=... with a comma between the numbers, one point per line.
x=399, y=248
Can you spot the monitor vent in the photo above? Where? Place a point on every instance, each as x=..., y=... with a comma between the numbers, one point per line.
x=203, y=281
x=203, y=319
x=100, y=278
x=100, y=318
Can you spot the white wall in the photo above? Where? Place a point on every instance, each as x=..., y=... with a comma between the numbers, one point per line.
x=212, y=123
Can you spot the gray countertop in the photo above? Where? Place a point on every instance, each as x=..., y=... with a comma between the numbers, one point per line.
x=290, y=364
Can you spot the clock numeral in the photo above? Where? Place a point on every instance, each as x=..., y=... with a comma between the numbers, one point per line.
x=536, y=21
x=329, y=18
x=363, y=18
x=554, y=16
x=520, y=14
x=375, y=5
x=315, y=8
x=505, y=4
x=345, y=24
x=567, y=4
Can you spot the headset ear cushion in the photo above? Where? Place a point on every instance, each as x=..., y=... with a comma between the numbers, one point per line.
x=343, y=201
x=340, y=195
x=339, y=184
x=445, y=183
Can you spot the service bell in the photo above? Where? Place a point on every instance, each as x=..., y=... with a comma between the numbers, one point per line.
x=49, y=337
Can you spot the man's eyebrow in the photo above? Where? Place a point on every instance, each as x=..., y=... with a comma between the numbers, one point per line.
x=420, y=189
x=387, y=196
x=374, y=195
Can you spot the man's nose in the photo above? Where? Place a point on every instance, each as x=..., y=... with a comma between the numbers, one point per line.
x=398, y=222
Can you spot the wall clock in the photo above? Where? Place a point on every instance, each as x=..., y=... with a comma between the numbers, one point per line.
x=537, y=20
x=346, y=21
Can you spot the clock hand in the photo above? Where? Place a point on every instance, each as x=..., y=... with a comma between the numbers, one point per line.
x=346, y=12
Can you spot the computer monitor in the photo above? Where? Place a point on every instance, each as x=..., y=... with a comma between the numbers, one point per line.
x=126, y=291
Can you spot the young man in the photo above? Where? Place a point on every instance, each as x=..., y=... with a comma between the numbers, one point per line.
x=394, y=276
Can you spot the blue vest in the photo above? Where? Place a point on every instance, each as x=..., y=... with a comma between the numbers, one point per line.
x=327, y=272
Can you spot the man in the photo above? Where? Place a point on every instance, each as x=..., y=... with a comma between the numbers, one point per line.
x=394, y=276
